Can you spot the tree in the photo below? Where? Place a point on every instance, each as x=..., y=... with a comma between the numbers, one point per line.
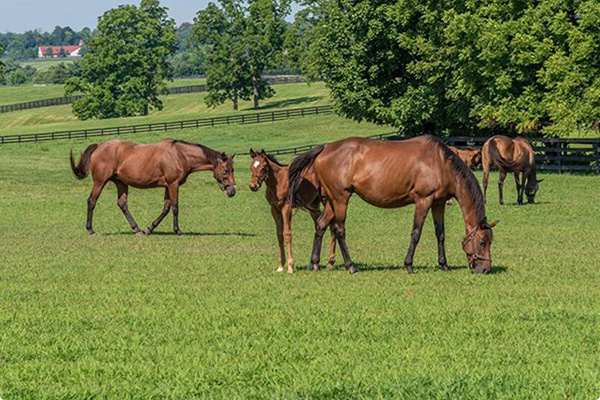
x=124, y=71
x=2, y=67
x=241, y=40
x=62, y=53
x=49, y=53
x=463, y=67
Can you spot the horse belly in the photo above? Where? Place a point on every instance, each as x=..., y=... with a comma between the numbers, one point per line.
x=140, y=176
x=384, y=195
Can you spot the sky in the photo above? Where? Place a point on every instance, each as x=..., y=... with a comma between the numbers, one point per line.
x=23, y=15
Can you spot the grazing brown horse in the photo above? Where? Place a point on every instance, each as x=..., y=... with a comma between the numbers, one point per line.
x=392, y=174
x=470, y=155
x=511, y=155
x=265, y=168
x=164, y=164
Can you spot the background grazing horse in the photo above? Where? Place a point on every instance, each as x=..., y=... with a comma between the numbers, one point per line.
x=470, y=155
x=266, y=168
x=391, y=174
x=511, y=155
x=166, y=164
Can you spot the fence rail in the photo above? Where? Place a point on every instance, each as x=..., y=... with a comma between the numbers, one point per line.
x=250, y=118
x=59, y=101
x=556, y=154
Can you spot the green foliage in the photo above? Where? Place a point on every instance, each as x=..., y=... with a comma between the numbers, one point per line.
x=188, y=63
x=16, y=74
x=2, y=66
x=466, y=66
x=23, y=46
x=124, y=71
x=241, y=40
x=300, y=40
x=58, y=74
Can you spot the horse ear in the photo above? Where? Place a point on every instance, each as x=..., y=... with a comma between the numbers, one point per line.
x=493, y=224
x=252, y=153
x=232, y=156
x=223, y=156
x=262, y=151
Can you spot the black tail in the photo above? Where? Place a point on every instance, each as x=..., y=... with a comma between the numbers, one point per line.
x=81, y=170
x=297, y=167
x=497, y=158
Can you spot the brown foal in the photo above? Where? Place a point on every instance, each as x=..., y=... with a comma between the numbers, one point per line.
x=392, y=174
x=511, y=155
x=265, y=168
x=166, y=164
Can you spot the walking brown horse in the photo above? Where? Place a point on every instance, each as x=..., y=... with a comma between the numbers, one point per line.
x=470, y=155
x=394, y=174
x=166, y=164
x=265, y=168
x=511, y=155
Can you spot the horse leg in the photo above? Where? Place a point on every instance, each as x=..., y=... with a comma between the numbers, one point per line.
x=438, y=210
x=91, y=204
x=315, y=216
x=320, y=226
x=339, y=227
x=122, y=191
x=286, y=212
x=486, y=176
x=276, y=213
x=500, y=185
x=163, y=214
x=422, y=207
x=519, y=191
x=174, y=196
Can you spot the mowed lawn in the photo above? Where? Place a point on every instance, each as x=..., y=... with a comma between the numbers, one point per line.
x=206, y=315
x=176, y=107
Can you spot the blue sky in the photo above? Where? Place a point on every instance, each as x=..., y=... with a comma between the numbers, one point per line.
x=23, y=15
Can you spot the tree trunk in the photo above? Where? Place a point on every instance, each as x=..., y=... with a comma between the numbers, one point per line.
x=255, y=92
x=235, y=99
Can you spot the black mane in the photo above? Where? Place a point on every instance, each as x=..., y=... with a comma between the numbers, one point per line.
x=274, y=160
x=465, y=174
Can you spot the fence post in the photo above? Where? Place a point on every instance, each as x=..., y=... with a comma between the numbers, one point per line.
x=598, y=157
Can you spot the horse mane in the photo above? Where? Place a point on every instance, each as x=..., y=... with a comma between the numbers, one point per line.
x=274, y=160
x=464, y=174
x=211, y=155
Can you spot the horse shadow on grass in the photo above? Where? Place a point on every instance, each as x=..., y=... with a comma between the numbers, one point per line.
x=239, y=234
x=416, y=268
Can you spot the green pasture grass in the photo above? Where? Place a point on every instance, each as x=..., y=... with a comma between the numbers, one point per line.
x=46, y=63
x=176, y=107
x=206, y=315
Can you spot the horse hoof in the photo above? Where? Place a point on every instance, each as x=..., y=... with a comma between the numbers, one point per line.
x=309, y=267
x=409, y=269
x=316, y=268
x=147, y=232
x=329, y=265
x=139, y=233
x=280, y=269
x=290, y=271
x=91, y=233
x=179, y=233
x=445, y=267
x=353, y=270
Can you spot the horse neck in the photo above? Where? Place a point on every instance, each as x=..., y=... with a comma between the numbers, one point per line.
x=275, y=176
x=200, y=158
x=469, y=204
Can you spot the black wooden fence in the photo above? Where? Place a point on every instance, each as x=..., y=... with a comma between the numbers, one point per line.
x=58, y=101
x=558, y=155
x=248, y=118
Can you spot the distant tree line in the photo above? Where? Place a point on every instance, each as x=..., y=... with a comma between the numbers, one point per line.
x=24, y=46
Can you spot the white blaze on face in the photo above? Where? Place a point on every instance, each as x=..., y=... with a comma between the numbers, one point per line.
x=256, y=164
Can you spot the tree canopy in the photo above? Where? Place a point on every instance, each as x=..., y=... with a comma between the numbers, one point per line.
x=241, y=40
x=128, y=60
x=465, y=66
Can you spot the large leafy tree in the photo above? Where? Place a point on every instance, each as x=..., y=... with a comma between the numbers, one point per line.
x=128, y=61
x=465, y=66
x=241, y=40
x=1, y=63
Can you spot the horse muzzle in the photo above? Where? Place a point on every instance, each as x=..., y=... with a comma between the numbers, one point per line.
x=230, y=190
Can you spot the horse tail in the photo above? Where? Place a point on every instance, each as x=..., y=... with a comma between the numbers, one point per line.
x=81, y=170
x=297, y=167
x=497, y=159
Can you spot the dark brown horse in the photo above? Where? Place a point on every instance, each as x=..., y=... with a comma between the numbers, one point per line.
x=389, y=174
x=265, y=168
x=469, y=155
x=511, y=155
x=164, y=164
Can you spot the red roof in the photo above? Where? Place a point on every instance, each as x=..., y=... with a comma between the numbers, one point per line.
x=56, y=49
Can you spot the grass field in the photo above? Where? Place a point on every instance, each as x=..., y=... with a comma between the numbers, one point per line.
x=176, y=107
x=206, y=315
x=46, y=63
x=25, y=93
